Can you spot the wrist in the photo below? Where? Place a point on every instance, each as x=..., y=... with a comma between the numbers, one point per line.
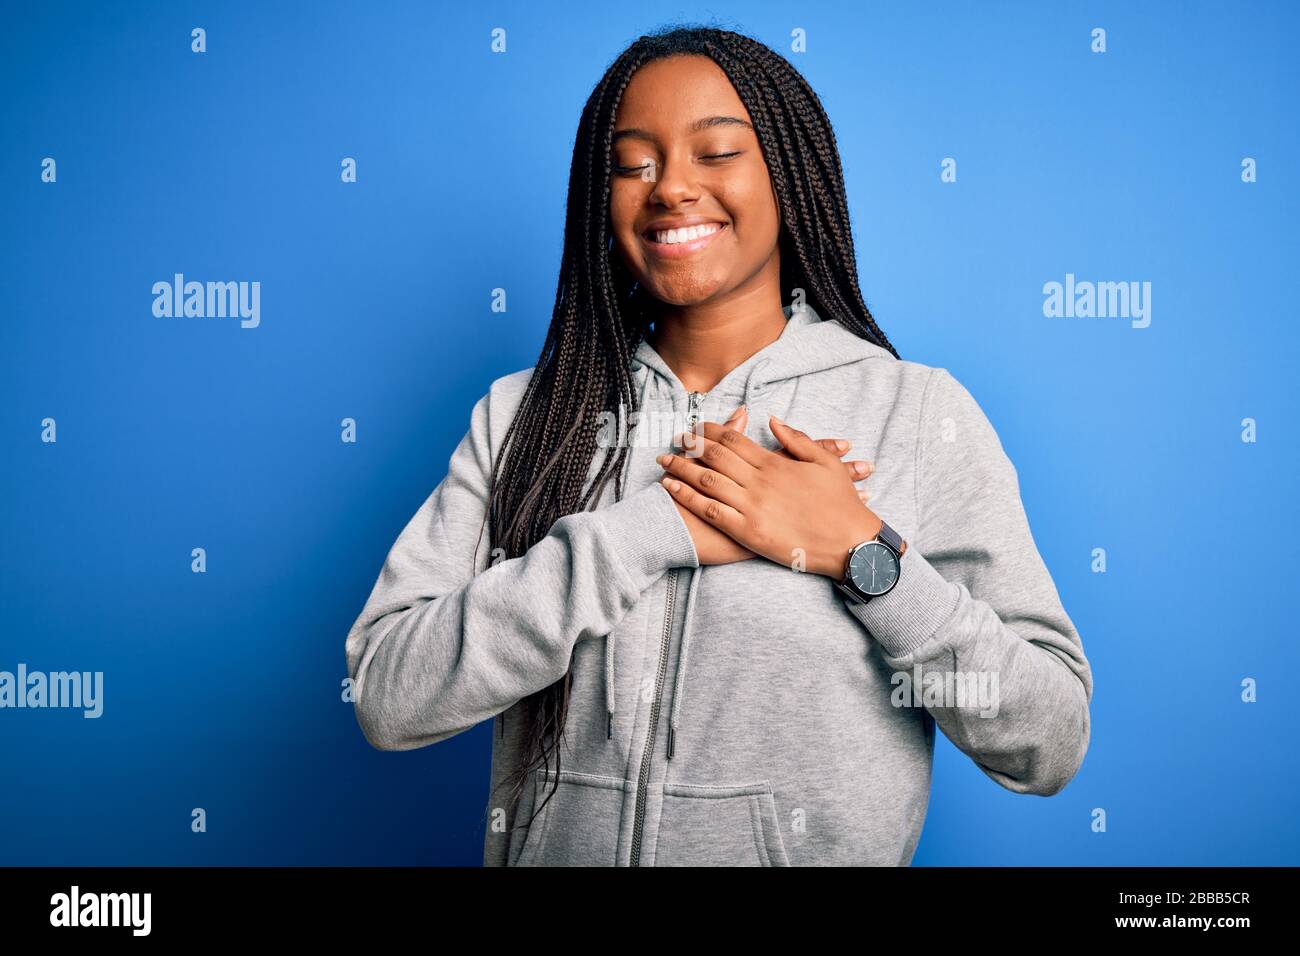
x=834, y=563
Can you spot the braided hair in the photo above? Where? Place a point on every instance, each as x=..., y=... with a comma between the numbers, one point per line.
x=601, y=314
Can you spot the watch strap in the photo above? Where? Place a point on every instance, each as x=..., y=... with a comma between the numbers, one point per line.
x=892, y=538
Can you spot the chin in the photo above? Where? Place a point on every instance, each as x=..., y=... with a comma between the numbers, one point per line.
x=684, y=294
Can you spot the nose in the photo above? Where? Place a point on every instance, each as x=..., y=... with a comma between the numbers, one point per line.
x=676, y=182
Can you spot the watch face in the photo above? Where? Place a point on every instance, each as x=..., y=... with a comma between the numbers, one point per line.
x=874, y=568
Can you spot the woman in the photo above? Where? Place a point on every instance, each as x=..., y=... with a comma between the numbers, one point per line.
x=741, y=659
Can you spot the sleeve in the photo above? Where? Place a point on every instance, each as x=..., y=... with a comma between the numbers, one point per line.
x=440, y=647
x=974, y=599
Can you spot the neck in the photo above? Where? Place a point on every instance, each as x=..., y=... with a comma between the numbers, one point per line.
x=702, y=343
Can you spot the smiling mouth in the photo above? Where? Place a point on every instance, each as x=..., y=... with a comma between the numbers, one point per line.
x=683, y=241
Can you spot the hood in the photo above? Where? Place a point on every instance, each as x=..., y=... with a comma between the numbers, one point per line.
x=807, y=345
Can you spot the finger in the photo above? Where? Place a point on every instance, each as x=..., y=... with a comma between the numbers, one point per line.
x=715, y=455
x=703, y=479
x=739, y=419
x=723, y=517
x=836, y=446
x=796, y=442
x=830, y=444
x=746, y=449
x=859, y=469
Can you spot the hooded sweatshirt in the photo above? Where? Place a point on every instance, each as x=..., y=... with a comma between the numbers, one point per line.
x=746, y=713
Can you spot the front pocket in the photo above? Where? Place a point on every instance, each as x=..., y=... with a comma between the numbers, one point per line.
x=579, y=824
x=719, y=826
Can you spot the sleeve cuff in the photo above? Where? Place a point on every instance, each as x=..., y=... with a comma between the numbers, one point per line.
x=912, y=613
x=648, y=533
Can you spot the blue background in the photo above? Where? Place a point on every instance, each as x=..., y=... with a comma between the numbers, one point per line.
x=223, y=690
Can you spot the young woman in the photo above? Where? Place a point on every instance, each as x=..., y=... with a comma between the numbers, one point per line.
x=738, y=657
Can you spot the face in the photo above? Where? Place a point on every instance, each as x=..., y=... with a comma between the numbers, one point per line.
x=693, y=211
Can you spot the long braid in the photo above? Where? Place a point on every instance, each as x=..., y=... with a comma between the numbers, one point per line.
x=600, y=315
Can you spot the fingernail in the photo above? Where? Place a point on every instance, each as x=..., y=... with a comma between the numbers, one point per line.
x=860, y=468
x=670, y=483
x=842, y=445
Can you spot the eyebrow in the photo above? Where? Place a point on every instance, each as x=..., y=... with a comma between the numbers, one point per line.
x=698, y=126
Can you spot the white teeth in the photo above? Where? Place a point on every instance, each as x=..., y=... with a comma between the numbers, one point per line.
x=674, y=236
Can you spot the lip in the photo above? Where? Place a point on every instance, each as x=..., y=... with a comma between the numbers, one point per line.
x=680, y=249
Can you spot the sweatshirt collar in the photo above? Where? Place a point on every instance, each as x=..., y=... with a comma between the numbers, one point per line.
x=808, y=343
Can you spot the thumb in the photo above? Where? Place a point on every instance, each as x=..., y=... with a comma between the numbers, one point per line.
x=739, y=418
x=796, y=442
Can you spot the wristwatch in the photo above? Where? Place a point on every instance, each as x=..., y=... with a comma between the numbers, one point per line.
x=872, y=567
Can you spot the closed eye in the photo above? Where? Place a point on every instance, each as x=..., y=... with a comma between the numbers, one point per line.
x=625, y=170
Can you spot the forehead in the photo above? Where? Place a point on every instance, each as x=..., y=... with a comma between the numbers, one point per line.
x=666, y=97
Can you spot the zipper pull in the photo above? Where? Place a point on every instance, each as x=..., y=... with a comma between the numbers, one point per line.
x=692, y=419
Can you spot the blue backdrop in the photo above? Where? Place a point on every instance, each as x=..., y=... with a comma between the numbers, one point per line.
x=1161, y=160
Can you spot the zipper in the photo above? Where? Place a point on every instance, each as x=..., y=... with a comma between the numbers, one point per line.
x=644, y=779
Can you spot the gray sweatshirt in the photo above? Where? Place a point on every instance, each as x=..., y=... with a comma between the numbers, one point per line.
x=747, y=713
